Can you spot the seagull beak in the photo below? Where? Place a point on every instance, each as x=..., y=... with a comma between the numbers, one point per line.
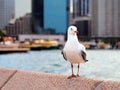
x=76, y=31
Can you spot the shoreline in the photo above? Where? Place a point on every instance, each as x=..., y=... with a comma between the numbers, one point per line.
x=12, y=79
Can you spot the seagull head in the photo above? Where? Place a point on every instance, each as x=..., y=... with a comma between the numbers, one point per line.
x=72, y=30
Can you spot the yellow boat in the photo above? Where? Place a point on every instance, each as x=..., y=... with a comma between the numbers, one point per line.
x=41, y=44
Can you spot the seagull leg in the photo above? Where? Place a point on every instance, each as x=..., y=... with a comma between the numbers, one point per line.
x=78, y=70
x=72, y=73
x=72, y=70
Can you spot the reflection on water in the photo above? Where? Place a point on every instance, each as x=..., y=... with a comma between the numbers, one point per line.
x=102, y=64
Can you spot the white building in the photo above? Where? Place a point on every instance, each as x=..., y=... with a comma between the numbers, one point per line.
x=18, y=26
x=7, y=11
x=106, y=18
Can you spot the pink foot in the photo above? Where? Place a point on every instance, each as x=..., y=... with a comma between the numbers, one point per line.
x=72, y=76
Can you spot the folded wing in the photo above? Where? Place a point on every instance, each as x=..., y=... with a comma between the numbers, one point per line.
x=64, y=55
x=83, y=54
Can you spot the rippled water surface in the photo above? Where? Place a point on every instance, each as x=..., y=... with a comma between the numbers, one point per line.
x=102, y=64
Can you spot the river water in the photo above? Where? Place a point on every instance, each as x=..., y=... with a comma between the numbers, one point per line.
x=102, y=64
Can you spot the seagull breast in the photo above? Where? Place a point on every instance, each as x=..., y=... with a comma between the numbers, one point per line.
x=72, y=51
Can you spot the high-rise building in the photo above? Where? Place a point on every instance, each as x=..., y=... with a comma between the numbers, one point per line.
x=37, y=16
x=47, y=14
x=80, y=15
x=7, y=12
x=18, y=26
x=55, y=15
x=81, y=8
x=105, y=18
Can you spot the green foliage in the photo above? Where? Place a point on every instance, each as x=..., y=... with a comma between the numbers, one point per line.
x=2, y=34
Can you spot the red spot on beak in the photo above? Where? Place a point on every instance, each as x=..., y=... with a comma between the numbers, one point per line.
x=76, y=31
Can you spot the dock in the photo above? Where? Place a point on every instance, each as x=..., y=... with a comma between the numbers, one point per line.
x=13, y=50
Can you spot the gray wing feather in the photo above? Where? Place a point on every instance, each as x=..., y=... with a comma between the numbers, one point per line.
x=83, y=54
x=64, y=55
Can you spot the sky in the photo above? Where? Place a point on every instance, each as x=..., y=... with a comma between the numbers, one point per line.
x=22, y=7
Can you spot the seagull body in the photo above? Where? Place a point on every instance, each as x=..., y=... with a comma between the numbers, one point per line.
x=73, y=51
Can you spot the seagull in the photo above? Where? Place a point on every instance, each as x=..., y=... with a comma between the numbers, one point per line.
x=74, y=51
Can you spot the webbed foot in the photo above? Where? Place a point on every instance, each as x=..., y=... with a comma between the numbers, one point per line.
x=72, y=76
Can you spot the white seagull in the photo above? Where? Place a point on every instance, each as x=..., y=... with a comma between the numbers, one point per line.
x=73, y=50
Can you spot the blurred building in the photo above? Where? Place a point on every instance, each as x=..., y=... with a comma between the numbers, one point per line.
x=49, y=14
x=105, y=18
x=37, y=16
x=80, y=15
x=18, y=26
x=7, y=12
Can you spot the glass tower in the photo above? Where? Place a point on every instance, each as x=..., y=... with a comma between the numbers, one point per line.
x=37, y=16
x=55, y=15
x=49, y=14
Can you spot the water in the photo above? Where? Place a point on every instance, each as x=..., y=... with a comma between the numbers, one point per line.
x=102, y=64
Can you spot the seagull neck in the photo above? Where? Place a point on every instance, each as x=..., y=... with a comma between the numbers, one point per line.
x=72, y=38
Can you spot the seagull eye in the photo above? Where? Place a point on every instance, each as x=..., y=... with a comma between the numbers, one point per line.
x=71, y=29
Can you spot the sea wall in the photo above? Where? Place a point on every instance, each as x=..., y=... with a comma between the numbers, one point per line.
x=11, y=79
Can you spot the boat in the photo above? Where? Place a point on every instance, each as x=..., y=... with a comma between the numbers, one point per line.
x=8, y=46
x=12, y=49
x=41, y=44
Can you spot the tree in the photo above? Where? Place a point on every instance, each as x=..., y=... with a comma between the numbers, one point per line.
x=2, y=34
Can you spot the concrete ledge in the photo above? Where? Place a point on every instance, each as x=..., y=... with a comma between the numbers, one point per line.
x=108, y=85
x=5, y=75
x=26, y=80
